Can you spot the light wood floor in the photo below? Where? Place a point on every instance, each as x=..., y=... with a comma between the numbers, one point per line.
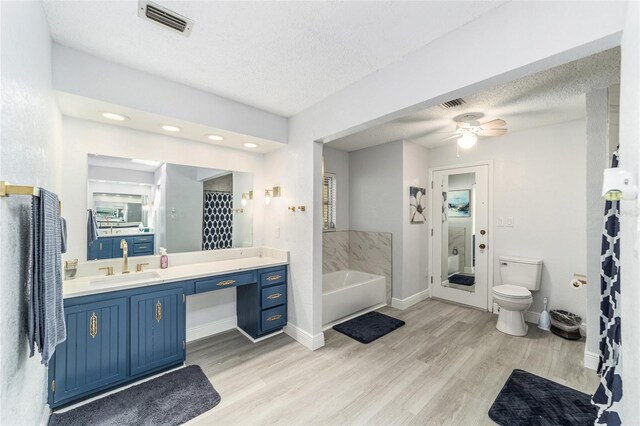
x=445, y=366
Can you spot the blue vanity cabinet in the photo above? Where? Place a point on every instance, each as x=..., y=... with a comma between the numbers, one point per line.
x=262, y=308
x=95, y=353
x=157, y=330
x=102, y=248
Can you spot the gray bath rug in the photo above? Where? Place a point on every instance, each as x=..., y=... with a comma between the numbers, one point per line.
x=368, y=327
x=527, y=399
x=171, y=399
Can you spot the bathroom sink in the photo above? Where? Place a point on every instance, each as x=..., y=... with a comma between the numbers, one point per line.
x=125, y=278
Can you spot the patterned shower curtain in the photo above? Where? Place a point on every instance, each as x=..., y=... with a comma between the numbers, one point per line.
x=217, y=220
x=609, y=393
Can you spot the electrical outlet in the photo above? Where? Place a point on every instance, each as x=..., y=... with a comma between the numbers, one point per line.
x=500, y=221
x=509, y=221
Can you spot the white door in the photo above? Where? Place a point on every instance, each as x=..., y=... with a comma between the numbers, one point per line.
x=460, y=219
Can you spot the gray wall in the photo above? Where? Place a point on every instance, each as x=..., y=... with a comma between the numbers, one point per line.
x=376, y=197
x=183, y=210
x=337, y=162
x=30, y=155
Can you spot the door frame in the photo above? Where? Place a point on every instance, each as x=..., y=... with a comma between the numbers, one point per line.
x=490, y=223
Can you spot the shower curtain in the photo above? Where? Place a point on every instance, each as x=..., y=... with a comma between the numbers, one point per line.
x=609, y=393
x=217, y=220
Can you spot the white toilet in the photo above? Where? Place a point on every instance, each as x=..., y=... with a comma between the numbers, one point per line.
x=520, y=276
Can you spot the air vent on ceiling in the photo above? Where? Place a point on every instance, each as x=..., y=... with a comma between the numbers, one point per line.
x=452, y=103
x=162, y=16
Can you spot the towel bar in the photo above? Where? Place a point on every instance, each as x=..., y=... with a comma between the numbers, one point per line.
x=7, y=189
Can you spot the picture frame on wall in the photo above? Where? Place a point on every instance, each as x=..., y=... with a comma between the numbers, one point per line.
x=459, y=203
x=417, y=204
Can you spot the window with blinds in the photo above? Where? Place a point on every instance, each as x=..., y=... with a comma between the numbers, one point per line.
x=329, y=201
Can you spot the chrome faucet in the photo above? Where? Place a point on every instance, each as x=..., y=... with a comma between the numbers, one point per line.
x=125, y=256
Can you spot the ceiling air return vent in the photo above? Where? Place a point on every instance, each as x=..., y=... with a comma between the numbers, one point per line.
x=452, y=103
x=162, y=16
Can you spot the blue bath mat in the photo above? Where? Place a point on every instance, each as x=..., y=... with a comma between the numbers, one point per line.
x=462, y=279
x=527, y=399
x=368, y=327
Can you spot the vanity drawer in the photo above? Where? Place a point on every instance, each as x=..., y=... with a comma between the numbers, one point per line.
x=274, y=296
x=225, y=281
x=273, y=277
x=142, y=248
x=273, y=318
x=137, y=240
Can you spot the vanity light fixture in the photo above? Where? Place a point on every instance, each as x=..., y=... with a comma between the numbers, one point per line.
x=467, y=140
x=115, y=116
x=267, y=196
x=618, y=184
x=215, y=137
x=244, y=199
x=271, y=193
x=250, y=145
x=170, y=128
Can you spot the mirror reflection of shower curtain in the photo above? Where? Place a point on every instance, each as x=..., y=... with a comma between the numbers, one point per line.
x=217, y=220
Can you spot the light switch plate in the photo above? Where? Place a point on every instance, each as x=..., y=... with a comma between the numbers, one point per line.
x=509, y=221
x=500, y=221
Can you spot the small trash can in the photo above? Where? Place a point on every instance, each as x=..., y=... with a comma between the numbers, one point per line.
x=565, y=324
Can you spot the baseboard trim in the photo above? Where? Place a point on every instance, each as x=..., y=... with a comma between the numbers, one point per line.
x=259, y=339
x=210, y=328
x=591, y=360
x=403, y=304
x=46, y=413
x=307, y=340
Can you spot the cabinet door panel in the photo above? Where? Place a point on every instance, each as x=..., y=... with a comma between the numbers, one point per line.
x=157, y=330
x=95, y=352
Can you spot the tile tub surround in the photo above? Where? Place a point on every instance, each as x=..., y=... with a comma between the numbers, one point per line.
x=335, y=251
x=358, y=250
x=182, y=266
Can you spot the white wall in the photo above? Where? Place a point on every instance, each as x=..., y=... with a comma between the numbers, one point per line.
x=597, y=159
x=376, y=183
x=539, y=180
x=337, y=162
x=415, y=254
x=29, y=155
x=629, y=227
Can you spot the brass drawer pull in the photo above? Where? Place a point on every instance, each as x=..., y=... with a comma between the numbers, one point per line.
x=274, y=317
x=274, y=277
x=158, y=311
x=227, y=282
x=274, y=296
x=93, y=325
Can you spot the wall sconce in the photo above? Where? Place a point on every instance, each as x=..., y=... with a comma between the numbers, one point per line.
x=618, y=184
x=271, y=193
x=244, y=199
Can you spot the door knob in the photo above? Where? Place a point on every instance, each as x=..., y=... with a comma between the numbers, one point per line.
x=482, y=246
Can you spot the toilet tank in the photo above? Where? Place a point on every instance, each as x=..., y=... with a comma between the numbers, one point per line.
x=522, y=271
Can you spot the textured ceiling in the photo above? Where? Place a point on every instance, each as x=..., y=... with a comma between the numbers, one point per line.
x=279, y=56
x=552, y=96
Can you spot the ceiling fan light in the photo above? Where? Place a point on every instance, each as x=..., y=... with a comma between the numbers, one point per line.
x=468, y=140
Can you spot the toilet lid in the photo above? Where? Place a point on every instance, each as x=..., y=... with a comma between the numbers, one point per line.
x=514, y=291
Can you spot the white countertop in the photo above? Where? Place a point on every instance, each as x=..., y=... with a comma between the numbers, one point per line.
x=83, y=286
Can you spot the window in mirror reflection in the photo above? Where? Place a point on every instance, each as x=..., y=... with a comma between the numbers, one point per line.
x=150, y=204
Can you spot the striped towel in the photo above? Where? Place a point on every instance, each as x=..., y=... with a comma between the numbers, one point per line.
x=46, y=323
x=92, y=227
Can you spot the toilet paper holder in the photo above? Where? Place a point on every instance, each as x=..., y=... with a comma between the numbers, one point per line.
x=578, y=280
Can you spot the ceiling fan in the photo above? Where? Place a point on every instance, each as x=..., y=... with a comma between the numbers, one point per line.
x=468, y=129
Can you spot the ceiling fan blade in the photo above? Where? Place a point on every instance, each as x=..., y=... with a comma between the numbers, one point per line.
x=463, y=125
x=492, y=132
x=493, y=124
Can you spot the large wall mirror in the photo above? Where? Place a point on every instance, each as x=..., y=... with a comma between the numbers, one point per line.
x=150, y=204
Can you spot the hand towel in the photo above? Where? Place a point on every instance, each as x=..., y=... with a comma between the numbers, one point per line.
x=92, y=227
x=46, y=322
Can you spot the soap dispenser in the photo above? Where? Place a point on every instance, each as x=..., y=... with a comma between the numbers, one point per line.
x=164, y=259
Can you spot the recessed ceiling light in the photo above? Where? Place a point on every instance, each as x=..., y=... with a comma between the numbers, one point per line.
x=114, y=116
x=170, y=128
x=250, y=145
x=215, y=137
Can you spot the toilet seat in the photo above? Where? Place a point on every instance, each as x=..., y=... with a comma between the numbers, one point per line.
x=511, y=291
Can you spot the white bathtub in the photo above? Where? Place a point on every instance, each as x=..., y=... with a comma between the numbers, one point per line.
x=347, y=292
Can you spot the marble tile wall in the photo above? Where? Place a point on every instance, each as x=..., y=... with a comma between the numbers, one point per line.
x=358, y=250
x=335, y=251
